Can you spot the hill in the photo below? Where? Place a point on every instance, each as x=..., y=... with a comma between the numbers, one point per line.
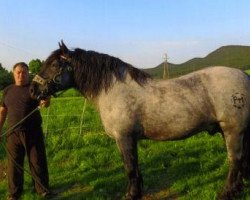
x=231, y=56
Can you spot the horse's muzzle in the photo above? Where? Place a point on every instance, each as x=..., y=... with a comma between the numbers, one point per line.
x=36, y=93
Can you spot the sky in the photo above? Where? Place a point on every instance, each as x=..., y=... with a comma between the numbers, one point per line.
x=139, y=32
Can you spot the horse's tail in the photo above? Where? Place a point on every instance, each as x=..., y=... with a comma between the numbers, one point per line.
x=246, y=154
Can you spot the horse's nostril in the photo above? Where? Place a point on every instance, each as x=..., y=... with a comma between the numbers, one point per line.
x=32, y=90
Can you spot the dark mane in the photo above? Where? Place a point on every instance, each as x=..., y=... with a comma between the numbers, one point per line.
x=55, y=55
x=95, y=71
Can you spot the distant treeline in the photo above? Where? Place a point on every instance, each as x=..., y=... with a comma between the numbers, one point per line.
x=6, y=77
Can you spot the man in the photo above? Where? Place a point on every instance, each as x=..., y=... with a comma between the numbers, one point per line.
x=26, y=137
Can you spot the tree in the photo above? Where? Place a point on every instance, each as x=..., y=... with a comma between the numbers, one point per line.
x=5, y=77
x=35, y=66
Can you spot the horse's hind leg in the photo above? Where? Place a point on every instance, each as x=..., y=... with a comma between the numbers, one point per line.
x=246, y=155
x=128, y=147
x=234, y=182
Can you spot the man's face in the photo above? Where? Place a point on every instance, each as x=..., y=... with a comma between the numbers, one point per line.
x=21, y=75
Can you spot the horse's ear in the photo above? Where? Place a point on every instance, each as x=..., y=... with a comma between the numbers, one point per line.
x=63, y=48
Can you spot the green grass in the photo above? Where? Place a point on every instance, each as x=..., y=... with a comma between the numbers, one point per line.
x=248, y=71
x=88, y=165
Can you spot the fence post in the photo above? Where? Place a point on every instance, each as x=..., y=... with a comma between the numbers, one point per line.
x=83, y=110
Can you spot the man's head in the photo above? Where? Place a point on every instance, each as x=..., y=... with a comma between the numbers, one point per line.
x=21, y=73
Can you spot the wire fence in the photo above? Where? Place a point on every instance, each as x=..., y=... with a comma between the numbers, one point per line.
x=66, y=113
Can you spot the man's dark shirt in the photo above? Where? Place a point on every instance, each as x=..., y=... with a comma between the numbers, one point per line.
x=19, y=104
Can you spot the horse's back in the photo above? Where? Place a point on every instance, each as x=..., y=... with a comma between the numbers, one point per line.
x=179, y=107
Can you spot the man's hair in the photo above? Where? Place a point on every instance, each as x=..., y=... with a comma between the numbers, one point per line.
x=21, y=64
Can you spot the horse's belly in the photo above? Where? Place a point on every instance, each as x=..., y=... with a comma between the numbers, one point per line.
x=167, y=135
x=176, y=130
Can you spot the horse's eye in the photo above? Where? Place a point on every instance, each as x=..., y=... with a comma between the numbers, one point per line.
x=69, y=68
x=54, y=64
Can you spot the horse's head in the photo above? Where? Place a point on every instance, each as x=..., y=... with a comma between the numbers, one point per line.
x=56, y=74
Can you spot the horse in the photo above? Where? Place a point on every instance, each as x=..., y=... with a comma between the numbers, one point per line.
x=133, y=106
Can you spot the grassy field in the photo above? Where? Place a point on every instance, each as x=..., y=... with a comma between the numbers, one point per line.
x=87, y=165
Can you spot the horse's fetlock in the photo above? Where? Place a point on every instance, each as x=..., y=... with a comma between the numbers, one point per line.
x=134, y=189
x=230, y=192
x=225, y=195
x=133, y=197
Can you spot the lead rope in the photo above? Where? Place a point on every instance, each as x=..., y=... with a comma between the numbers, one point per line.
x=21, y=121
x=11, y=157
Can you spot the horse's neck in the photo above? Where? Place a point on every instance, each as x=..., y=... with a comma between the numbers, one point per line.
x=118, y=88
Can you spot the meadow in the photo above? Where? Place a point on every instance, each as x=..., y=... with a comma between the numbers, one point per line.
x=84, y=163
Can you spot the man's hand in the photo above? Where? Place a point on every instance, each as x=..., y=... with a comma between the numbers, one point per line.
x=45, y=102
x=3, y=114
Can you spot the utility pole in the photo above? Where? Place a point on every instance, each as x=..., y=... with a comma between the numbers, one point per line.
x=165, y=67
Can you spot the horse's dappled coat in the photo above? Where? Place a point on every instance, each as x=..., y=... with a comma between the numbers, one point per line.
x=134, y=106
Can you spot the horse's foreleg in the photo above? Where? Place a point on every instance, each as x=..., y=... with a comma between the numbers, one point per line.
x=234, y=182
x=128, y=148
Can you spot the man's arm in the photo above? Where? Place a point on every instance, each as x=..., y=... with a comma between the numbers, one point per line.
x=3, y=114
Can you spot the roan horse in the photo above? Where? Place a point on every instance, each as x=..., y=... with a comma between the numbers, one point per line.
x=133, y=106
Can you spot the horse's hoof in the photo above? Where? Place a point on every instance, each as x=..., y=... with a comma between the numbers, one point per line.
x=224, y=196
x=246, y=175
x=229, y=195
x=132, y=197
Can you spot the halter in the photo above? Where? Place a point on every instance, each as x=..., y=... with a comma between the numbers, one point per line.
x=56, y=83
x=40, y=80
